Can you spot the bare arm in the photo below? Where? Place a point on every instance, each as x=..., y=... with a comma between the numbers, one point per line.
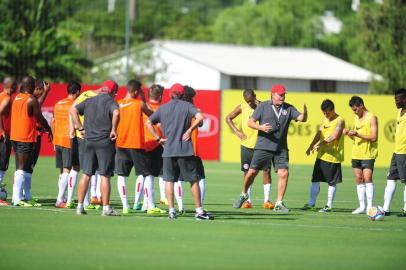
x=114, y=124
x=198, y=120
x=303, y=116
x=338, y=131
x=229, y=120
x=373, y=137
x=314, y=143
x=3, y=107
x=35, y=108
x=151, y=129
x=42, y=98
x=74, y=114
x=146, y=109
x=264, y=127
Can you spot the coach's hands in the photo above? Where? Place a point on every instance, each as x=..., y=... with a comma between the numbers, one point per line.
x=186, y=135
x=265, y=127
x=113, y=135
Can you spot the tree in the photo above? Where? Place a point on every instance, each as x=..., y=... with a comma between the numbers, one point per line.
x=33, y=40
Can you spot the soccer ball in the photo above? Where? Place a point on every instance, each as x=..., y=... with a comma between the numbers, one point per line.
x=376, y=213
x=3, y=194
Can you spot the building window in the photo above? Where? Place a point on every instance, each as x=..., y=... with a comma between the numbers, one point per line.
x=238, y=82
x=323, y=86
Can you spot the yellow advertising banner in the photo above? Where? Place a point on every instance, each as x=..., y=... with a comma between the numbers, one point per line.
x=301, y=134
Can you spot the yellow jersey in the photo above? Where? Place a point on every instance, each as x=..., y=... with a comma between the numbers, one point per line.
x=82, y=97
x=250, y=133
x=363, y=149
x=400, y=135
x=332, y=152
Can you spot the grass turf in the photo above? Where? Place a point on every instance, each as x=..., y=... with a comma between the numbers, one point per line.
x=46, y=238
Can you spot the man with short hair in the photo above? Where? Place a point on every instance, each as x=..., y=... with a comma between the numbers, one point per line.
x=175, y=118
x=274, y=117
x=6, y=99
x=25, y=115
x=248, y=137
x=397, y=170
x=329, y=144
x=66, y=152
x=100, y=130
x=364, y=151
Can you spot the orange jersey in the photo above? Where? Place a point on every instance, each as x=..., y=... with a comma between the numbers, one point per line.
x=194, y=136
x=130, y=130
x=150, y=141
x=6, y=117
x=61, y=122
x=23, y=128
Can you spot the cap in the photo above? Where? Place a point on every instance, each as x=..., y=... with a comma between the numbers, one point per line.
x=278, y=89
x=177, y=89
x=109, y=86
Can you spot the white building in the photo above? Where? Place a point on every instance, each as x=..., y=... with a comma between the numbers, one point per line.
x=218, y=66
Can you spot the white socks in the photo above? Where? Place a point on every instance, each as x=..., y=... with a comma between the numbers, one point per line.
x=267, y=190
x=361, y=195
x=369, y=190
x=202, y=185
x=122, y=190
x=331, y=193
x=314, y=191
x=62, y=183
x=93, y=185
x=249, y=193
x=162, y=193
x=73, y=175
x=389, y=191
x=27, y=186
x=404, y=199
x=139, y=188
x=149, y=191
x=178, y=190
x=98, y=185
x=18, y=185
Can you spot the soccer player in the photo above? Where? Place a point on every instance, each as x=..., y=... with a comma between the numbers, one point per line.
x=175, y=118
x=397, y=170
x=100, y=130
x=25, y=115
x=130, y=150
x=274, y=117
x=329, y=144
x=364, y=151
x=66, y=155
x=6, y=99
x=248, y=137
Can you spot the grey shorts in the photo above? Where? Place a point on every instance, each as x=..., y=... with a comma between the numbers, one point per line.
x=155, y=161
x=81, y=149
x=99, y=156
x=175, y=168
x=262, y=159
x=199, y=169
x=363, y=164
x=246, y=157
x=397, y=170
x=65, y=158
x=328, y=172
x=5, y=151
x=127, y=158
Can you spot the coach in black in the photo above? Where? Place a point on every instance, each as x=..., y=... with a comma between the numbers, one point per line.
x=175, y=118
x=273, y=118
x=100, y=131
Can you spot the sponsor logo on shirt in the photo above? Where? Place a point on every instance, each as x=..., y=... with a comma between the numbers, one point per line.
x=125, y=105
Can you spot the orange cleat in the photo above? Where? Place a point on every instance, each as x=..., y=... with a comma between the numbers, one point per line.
x=4, y=203
x=60, y=205
x=269, y=205
x=95, y=201
x=246, y=205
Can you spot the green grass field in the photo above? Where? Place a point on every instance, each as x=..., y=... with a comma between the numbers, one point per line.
x=49, y=238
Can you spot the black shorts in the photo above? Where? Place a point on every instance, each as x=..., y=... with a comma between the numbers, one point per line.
x=328, y=172
x=397, y=170
x=199, y=170
x=363, y=164
x=175, y=168
x=99, y=156
x=155, y=161
x=24, y=148
x=64, y=157
x=81, y=149
x=127, y=158
x=262, y=159
x=35, y=151
x=5, y=151
x=246, y=157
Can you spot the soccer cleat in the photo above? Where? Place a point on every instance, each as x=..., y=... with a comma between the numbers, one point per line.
x=240, y=201
x=164, y=201
x=126, y=211
x=80, y=211
x=110, y=213
x=60, y=205
x=97, y=206
x=95, y=201
x=387, y=214
x=155, y=211
x=402, y=214
x=23, y=204
x=34, y=203
x=269, y=205
x=182, y=212
x=359, y=210
x=281, y=208
x=90, y=207
x=308, y=207
x=4, y=203
x=137, y=206
x=70, y=205
x=204, y=216
x=172, y=215
x=247, y=205
x=325, y=209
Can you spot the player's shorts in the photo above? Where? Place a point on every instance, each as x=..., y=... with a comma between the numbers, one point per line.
x=155, y=161
x=262, y=159
x=363, y=164
x=81, y=149
x=99, y=156
x=35, y=152
x=246, y=157
x=127, y=158
x=397, y=170
x=23, y=148
x=5, y=151
x=175, y=168
x=64, y=157
x=328, y=172
x=200, y=169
